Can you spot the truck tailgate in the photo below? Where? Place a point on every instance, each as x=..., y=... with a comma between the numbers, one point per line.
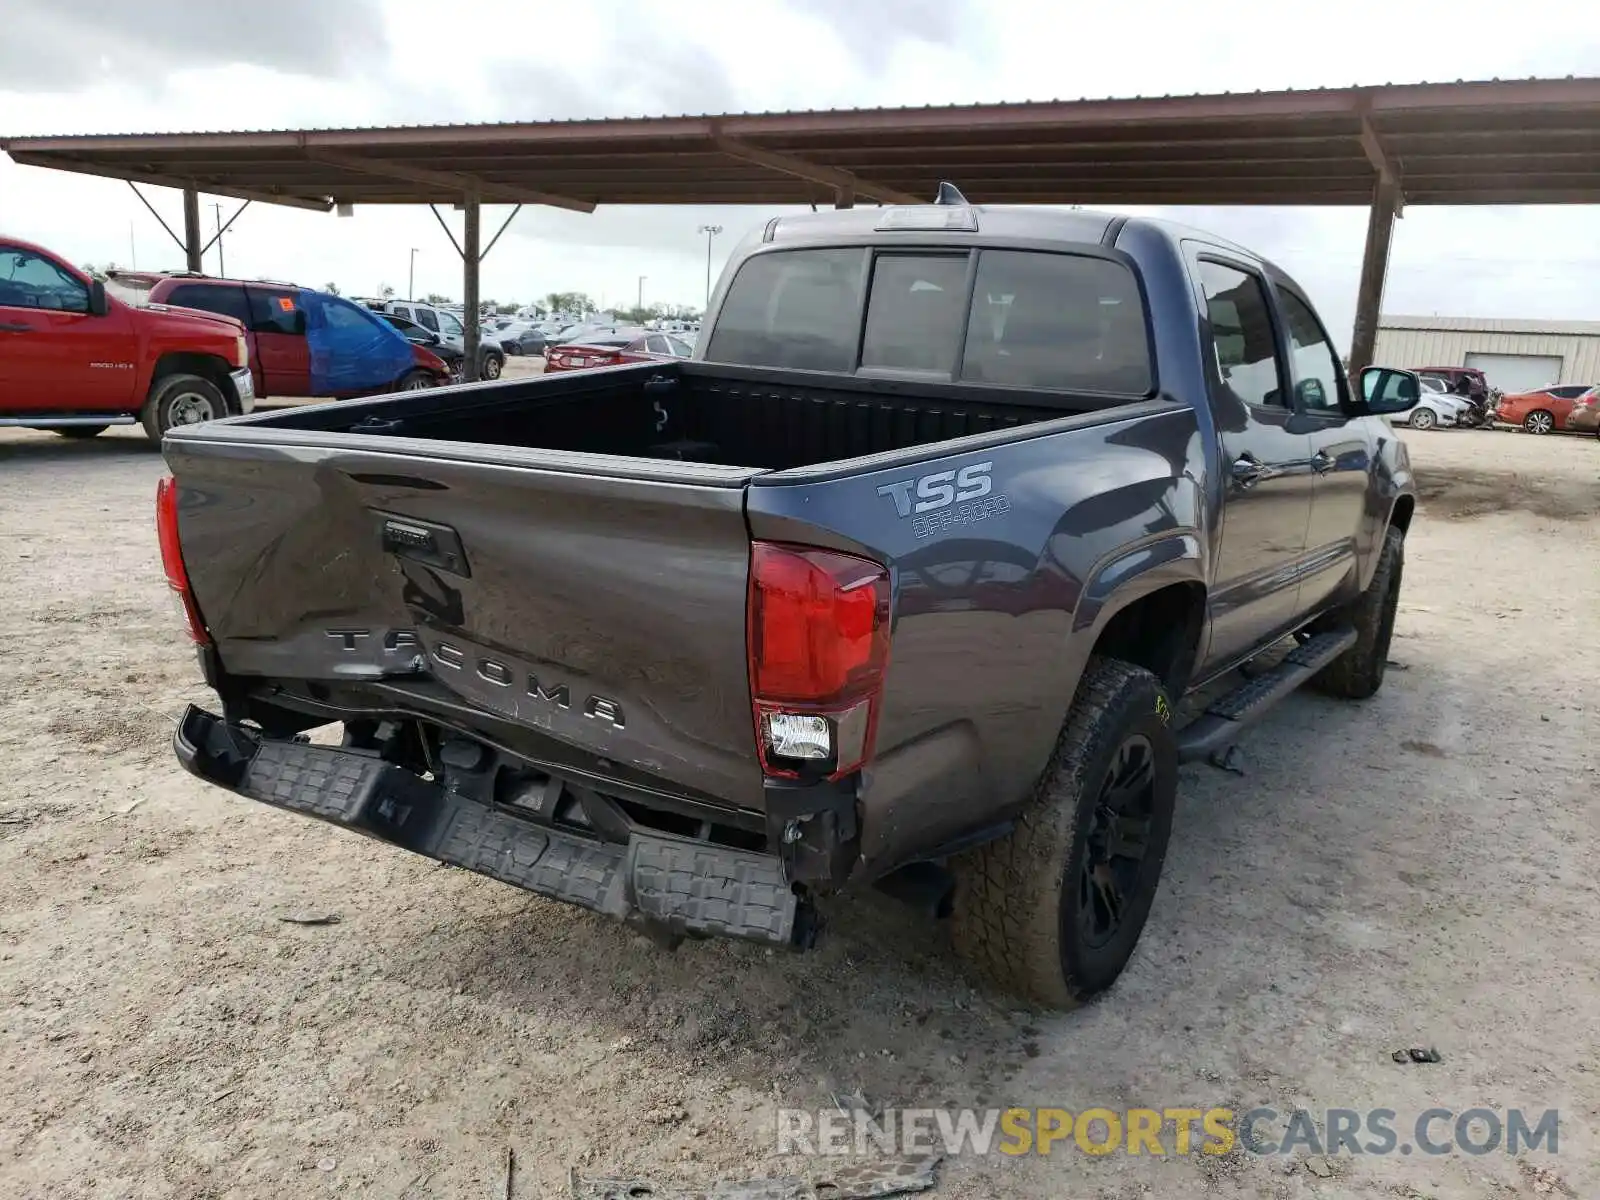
x=602, y=611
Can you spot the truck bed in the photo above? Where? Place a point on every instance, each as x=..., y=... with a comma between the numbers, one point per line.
x=689, y=412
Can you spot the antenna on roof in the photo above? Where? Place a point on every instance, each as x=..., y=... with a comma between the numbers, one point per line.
x=950, y=194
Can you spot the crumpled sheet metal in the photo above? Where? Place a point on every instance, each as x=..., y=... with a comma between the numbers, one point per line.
x=849, y=1181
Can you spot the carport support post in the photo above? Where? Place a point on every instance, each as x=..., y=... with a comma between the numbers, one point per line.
x=469, y=289
x=1374, y=268
x=192, y=242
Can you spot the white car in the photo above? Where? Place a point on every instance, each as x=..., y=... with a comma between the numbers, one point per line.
x=1438, y=408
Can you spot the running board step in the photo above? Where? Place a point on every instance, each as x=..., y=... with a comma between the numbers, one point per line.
x=1229, y=716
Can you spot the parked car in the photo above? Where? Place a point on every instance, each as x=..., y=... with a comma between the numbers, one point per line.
x=1544, y=409
x=447, y=324
x=76, y=360
x=520, y=337
x=610, y=350
x=844, y=600
x=1585, y=414
x=1437, y=407
x=309, y=343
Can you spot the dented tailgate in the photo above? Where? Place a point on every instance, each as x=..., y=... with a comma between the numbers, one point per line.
x=602, y=609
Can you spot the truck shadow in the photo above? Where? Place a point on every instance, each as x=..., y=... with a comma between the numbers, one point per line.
x=24, y=447
x=1256, y=880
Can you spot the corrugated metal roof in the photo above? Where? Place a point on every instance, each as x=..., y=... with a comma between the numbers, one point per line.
x=1487, y=142
x=1532, y=325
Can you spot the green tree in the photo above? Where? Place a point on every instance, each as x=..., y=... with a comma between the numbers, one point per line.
x=385, y=292
x=436, y=299
x=331, y=288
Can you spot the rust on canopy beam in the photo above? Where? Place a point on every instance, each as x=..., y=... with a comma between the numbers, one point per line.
x=449, y=180
x=843, y=182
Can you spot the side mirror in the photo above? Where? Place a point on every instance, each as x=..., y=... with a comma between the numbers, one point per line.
x=99, y=305
x=1388, y=390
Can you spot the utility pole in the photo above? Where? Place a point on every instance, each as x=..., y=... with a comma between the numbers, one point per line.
x=710, y=231
x=640, y=303
x=411, y=276
x=222, y=266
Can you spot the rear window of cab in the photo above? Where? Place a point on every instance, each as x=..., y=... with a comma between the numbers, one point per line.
x=1013, y=318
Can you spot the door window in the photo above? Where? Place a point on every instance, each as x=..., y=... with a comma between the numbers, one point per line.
x=212, y=297
x=678, y=348
x=29, y=280
x=656, y=344
x=276, y=310
x=448, y=325
x=1318, y=381
x=1241, y=334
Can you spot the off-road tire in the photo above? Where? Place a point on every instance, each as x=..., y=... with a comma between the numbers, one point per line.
x=76, y=432
x=1017, y=899
x=493, y=365
x=1358, y=672
x=166, y=395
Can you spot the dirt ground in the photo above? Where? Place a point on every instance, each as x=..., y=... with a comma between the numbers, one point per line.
x=1418, y=870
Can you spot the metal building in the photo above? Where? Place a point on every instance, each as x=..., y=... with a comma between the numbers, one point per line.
x=1516, y=356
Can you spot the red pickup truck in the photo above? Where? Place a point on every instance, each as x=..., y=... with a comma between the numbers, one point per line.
x=77, y=361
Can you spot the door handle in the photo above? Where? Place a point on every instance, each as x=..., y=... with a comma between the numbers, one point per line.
x=1322, y=462
x=1248, y=470
x=15, y=326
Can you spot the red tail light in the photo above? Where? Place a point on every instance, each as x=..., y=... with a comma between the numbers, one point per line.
x=172, y=558
x=817, y=632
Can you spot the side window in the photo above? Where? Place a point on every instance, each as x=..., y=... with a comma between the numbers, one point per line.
x=276, y=310
x=1318, y=383
x=914, y=313
x=656, y=344
x=1241, y=334
x=30, y=281
x=678, y=348
x=400, y=310
x=448, y=325
x=212, y=297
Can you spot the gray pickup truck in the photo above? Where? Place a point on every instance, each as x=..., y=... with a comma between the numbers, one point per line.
x=898, y=583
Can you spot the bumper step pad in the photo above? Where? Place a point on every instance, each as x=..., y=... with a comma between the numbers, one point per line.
x=687, y=887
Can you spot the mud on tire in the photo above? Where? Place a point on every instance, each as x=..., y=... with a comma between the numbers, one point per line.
x=1358, y=672
x=1030, y=909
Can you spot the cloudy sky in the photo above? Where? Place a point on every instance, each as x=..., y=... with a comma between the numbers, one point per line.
x=113, y=66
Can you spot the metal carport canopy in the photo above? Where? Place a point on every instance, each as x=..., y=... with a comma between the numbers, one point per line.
x=1534, y=141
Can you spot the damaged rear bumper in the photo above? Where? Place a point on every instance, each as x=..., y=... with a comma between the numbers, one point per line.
x=672, y=885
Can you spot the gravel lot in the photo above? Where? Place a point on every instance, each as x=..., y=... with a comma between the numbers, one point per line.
x=1418, y=870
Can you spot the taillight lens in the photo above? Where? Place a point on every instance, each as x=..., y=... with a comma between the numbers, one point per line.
x=817, y=631
x=172, y=559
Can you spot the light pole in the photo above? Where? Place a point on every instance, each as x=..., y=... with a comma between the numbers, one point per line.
x=710, y=231
x=411, y=276
x=640, y=303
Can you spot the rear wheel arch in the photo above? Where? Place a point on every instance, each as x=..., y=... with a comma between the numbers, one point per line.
x=1158, y=628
